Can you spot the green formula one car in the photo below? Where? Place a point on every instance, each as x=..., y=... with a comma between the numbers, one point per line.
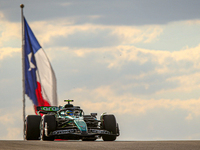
x=69, y=122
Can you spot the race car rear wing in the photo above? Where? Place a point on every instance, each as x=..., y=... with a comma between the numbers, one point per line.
x=47, y=109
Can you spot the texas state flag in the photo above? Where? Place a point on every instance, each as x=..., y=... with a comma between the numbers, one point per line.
x=40, y=80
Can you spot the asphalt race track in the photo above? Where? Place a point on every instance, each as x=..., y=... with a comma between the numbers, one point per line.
x=100, y=145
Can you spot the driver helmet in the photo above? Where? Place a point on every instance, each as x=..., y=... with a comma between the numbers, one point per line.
x=69, y=112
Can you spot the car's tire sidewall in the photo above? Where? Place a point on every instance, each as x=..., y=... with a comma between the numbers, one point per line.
x=109, y=124
x=51, y=123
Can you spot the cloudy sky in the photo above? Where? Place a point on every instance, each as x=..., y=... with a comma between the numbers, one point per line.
x=139, y=60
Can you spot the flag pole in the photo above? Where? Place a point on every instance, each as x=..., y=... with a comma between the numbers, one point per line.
x=23, y=72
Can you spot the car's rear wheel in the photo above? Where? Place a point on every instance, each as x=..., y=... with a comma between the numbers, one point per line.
x=109, y=124
x=32, y=127
x=50, y=122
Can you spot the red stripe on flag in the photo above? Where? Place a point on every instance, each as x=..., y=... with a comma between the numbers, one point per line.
x=40, y=99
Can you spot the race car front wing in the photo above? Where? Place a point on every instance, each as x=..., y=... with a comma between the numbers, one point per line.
x=90, y=132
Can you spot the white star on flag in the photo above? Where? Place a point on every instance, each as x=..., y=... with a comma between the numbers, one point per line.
x=32, y=66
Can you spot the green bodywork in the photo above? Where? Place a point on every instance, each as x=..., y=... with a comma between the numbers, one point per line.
x=73, y=120
x=80, y=124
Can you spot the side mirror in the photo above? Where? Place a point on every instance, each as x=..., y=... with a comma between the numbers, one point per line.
x=93, y=114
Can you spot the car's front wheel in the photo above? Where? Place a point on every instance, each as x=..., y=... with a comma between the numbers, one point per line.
x=109, y=124
x=50, y=122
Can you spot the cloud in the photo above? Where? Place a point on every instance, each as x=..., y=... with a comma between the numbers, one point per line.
x=141, y=65
x=146, y=118
x=64, y=32
x=8, y=51
x=175, y=36
x=114, y=53
x=85, y=36
x=13, y=133
x=128, y=69
x=11, y=123
x=9, y=32
x=9, y=38
x=121, y=13
x=105, y=98
x=6, y=119
x=88, y=39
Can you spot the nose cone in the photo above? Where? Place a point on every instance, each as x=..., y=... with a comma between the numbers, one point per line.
x=82, y=126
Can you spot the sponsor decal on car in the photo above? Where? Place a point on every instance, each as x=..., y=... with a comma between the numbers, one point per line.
x=71, y=131
x=98, y=131
x=49, y=108
x=68, y=131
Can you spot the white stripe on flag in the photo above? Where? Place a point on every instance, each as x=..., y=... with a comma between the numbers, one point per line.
x=47, y=77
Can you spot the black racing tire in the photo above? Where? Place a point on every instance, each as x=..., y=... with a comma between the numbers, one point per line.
x=32, y=127
x=51, y=124
x=109, y=124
